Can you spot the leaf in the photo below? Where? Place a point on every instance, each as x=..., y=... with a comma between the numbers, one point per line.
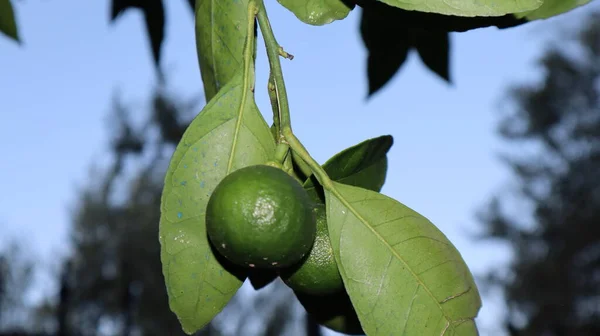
x=389, y=33
x=552, y=8
x=434, y=50
x=220, y=35
x=363, y=165
x=192, y=4
x=8, y=25
x=228, y=134
x=386, y=52
x=154, y=16
x=318, y=12
x=402, y=274
x=434, y=22
x=467, y=8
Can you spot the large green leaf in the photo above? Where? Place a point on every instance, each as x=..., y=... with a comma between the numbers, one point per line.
x=552, y=8
x=220, y=35
x=8, y=25
x=415, y=20
x=362, y=165
x=318, y=12
x=402, y=274
x=467, y=7
x=229, y=133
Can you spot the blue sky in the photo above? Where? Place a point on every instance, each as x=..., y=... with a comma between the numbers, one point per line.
x=56, y=90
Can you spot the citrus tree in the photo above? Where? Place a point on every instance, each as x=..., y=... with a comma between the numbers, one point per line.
x=398, y=274
x=245, y=200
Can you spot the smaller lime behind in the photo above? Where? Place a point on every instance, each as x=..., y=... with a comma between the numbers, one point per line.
x=261, y=217
x=317, y=273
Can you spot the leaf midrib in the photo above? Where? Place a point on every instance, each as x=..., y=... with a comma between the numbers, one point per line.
x=245, y=85
x=364, y=222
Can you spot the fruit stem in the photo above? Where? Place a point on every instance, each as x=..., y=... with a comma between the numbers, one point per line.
x=304, y=168
x=301, y=151
x=281, y=152
x=272, y=89
x=274, y=51
x=289, y=168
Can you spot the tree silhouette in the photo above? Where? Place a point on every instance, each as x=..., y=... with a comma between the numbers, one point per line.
x=16, y=273
x=552, y=286
x=114, y=276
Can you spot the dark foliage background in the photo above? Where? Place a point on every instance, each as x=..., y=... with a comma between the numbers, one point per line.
x=388, y=33
x=552, y=286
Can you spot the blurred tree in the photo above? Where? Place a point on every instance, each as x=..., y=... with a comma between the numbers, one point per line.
x=113, y=280
x=16, y=275
x=552, y=286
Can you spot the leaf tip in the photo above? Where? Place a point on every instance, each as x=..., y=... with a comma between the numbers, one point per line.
x=373, y=89
x=447, y=79
x=15, y=38
x=389, y=139
x=189, y=328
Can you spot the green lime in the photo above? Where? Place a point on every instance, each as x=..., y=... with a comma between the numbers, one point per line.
x=259, y=216
x=317, y=273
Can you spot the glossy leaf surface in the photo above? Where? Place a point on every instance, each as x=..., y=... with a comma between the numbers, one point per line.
x=229, y=134
x=552, y=8
x=221, y=31
x=363, y=165
x=467, y=7
x=317, y=12
x=402, y=274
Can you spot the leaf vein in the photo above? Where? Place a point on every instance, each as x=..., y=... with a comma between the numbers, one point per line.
x=358, y=216
x=242, y=107
x=226, y=47
x=435, y=266
x=409, y=310
x=389, y=221
x=383, y=276
x=456, y=295
x=420, y=237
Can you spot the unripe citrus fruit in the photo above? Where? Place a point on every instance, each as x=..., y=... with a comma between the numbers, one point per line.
x=259, y=216
x=317, y=273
